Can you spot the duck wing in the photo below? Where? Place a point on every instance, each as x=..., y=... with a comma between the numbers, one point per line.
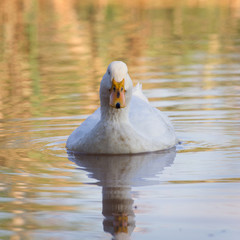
x=149, y=121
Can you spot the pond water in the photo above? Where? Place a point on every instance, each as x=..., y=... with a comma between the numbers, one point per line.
x=52, y=57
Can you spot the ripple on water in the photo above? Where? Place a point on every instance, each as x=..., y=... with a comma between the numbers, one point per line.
x=52, y=57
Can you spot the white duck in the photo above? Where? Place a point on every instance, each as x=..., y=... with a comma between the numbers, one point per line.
x=125, y=123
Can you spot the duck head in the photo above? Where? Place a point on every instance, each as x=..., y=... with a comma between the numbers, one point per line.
x=116, y=87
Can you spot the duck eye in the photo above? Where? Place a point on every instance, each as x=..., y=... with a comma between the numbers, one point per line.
x=121, y=89
x=108, y=72
x=114, y=89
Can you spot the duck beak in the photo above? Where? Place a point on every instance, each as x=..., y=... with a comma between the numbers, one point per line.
x=117, y=94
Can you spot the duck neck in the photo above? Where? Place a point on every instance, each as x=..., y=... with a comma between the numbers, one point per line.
x=114, y=115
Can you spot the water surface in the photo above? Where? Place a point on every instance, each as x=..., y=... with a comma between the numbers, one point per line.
x=52, y=57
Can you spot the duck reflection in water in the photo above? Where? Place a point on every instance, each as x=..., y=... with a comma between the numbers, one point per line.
x=117, y=174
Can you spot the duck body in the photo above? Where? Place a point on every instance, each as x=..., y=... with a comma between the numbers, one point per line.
x=135, y=128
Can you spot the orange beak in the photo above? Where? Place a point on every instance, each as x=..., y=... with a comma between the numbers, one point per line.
x=117, y=94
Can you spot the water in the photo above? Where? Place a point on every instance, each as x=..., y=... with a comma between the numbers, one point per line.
x=52, y=57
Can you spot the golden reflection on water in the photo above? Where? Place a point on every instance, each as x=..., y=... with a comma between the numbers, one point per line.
x=53, y=54
x=49, y=48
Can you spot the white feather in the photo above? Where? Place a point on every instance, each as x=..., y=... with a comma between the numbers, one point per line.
x=137, y=128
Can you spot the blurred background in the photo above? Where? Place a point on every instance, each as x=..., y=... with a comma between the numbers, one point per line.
x=51, y=49
x=53, y=54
